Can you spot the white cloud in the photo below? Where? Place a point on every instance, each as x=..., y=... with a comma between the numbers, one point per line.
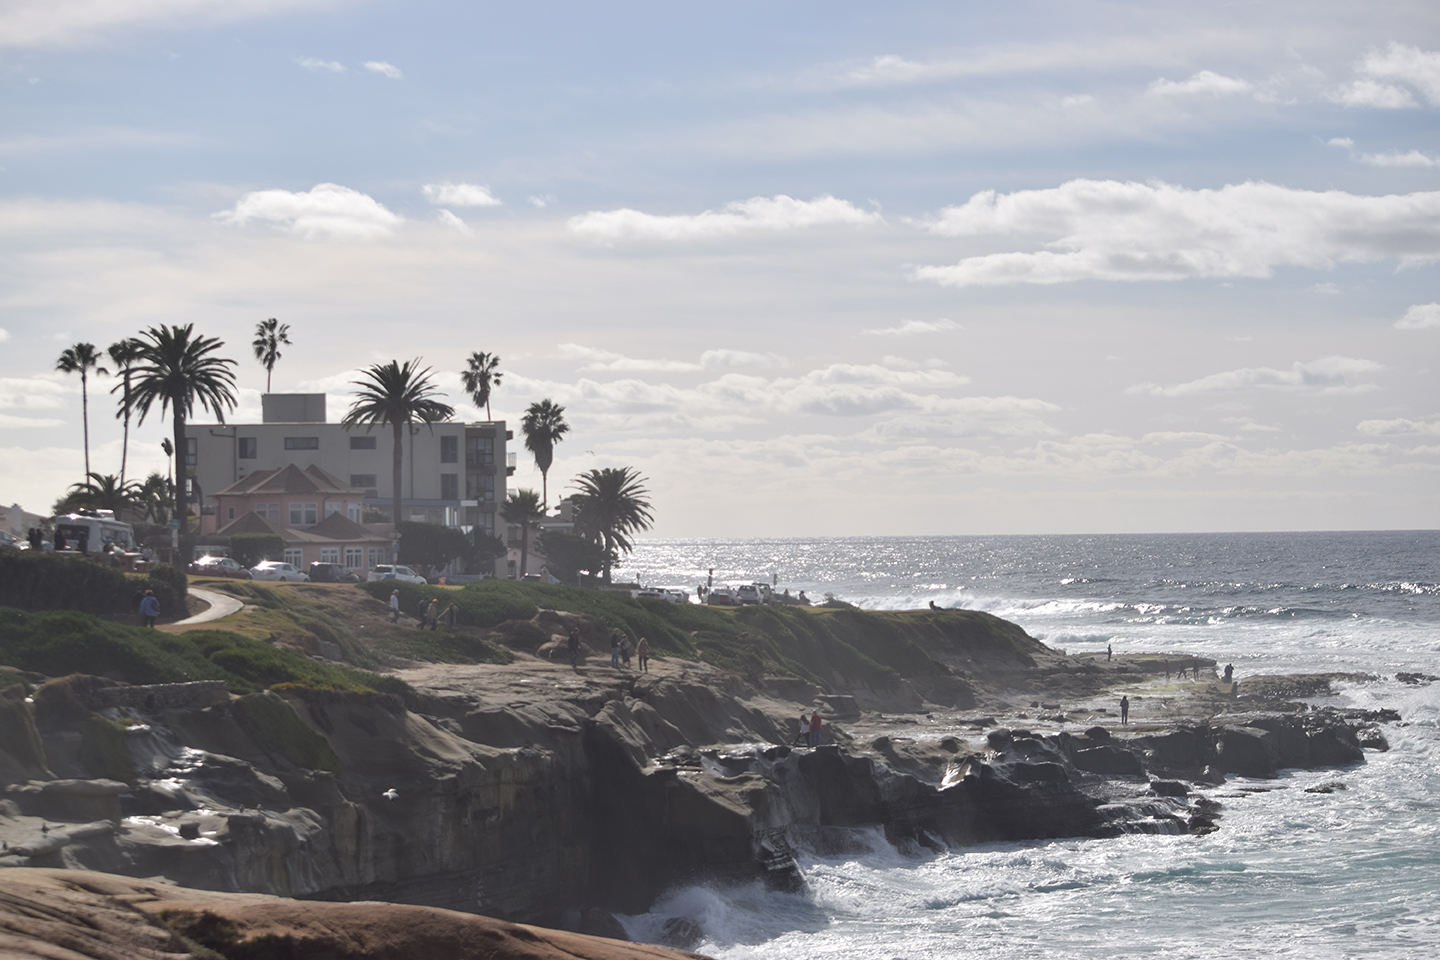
x=1107, y=230
x=1329, y=289
x=1418, y=68
x=757, y=213
x=315, y=65
x=37, y=23
x=4, y=334
x=1203, y=82
x=596, y=359
x=719, y=359
x=326, y=210
x=384, y=69
x=1328, y=374
x=6, y=420
x=459, y=195
x=1077, y=100
x=33, y=393
x=912, y=327
x=1395, y=158
x=541, y=203
x=1345, y=142
x=1422, y=316
x=1372, y=93
x=1399, y=427
x=453, y=222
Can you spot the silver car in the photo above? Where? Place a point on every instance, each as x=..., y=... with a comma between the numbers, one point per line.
x=276, y=570
x=387, y=571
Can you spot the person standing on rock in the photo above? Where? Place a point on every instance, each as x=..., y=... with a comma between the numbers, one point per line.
x=150, y=608
x=1109, y=652
x=815, y=729
x=573, y=645
x=803, y=737
x=625, y=651
x=394, y=606
x=615, y=648
x=642, y=652
x=1124, y=710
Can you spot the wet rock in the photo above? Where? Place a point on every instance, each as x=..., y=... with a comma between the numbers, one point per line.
x=1334, y=746
x=1109, y=759
x=1097, y=734
x=1329, y=787
x=998, y=739
x=1416, y=679
x=1249, y=752
x=1372, y=739
x=681, y=932
x=1169, y=788
x=595, y=922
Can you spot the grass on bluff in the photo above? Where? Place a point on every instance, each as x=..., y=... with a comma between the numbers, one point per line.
x=59, y=643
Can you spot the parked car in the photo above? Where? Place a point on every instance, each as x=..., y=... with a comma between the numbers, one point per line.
x=322, y=572
x=394, y=571
x=219, y=567
x=748, y=594
x=721, y=597
x=275, y=570
x=657, y=593
x=8, y=542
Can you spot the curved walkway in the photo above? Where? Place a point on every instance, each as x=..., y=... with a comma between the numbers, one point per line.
x=221, y=605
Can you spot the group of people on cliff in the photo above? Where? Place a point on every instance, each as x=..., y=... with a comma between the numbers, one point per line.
x=619, y=650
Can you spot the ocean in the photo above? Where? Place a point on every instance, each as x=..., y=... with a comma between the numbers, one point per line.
x=1353, y=873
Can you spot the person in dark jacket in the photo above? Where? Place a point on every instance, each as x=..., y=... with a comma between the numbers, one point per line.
x=150, y=608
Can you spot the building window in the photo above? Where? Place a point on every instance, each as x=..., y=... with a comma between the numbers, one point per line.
x=333, y=508
x=449, y=449
x=229, y=513
x=487, y=523
x=362, y=480
x=302, y=443
x=190, y=447
x=378, y=555
x=248, y=448
x=449, y=486
x=362, y=443
x=480, y=486
x=354, y=557
x=302, y=515
x=270, y=511
x=329, y=554
x=479, y=451
x=294, y=556
x=353, y=512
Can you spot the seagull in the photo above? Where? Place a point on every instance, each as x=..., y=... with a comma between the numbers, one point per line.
x=391, y=794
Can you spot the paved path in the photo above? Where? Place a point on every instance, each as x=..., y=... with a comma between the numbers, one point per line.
x=221, y=605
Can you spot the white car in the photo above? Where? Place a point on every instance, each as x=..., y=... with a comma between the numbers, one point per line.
x=275, y=570
x=657, y=593
x=394, y=571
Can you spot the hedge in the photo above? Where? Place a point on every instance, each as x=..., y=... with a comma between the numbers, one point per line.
x=33, y=580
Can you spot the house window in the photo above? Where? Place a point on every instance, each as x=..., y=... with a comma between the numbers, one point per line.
x=353, y=512
x=362, y=480
x=333, y=508
x=362, y=443
x=449, y=486
x=302, y=443
x=248, y=448
x=354, y=557
x=229, y=513
x=449, y=449
x=329, y=554
x=378, y=555
x=295, y=556
x=270, y=511
x=302, y=515
x=190, y=448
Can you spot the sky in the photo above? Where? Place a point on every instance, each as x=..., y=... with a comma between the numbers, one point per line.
x=811, y=268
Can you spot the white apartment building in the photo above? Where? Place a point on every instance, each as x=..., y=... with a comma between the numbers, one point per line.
x=454, y=473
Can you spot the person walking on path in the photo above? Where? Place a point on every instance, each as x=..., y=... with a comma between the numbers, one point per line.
x=642, y=652
x=625, y=651
x=149, y=608
x=1124, y=711
x=615, y=648
x=449, y=616
x=432, y=614
x=815, y=729
x=394, y=606
x=573, y=645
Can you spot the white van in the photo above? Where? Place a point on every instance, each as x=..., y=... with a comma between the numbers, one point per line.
x=87, y=532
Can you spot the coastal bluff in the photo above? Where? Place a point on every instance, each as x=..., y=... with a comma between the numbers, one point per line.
x=536, y=792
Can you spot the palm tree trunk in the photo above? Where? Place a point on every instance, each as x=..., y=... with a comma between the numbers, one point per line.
x=397, y=465
x=609, y=550
x=524, y=549
x=544, y=488
x=125, y=444
x=85, y=418
x=182, y=505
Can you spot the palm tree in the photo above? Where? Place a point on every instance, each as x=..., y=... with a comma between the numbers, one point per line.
x=544, y=424
x=81, y=359
x=124, y=353
x=523, y=508
x=153, y=496
x=106, y=492
x=396, y=395
x=480, y=377
x=270, y=335
x=610, y=508
x=180, y=370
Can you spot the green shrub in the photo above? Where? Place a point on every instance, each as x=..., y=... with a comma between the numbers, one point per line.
x=175, y=577
x=248, y=549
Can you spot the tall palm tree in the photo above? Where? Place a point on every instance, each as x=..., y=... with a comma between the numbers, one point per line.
x=480, y=377
x=523, y=508
x=124, y=353
x=81, y=359
x=107, y=492
x=398, y=396
x=611, y=507
x=544, y=424
x=270, y=335
x=153, y=496
x=179, y=369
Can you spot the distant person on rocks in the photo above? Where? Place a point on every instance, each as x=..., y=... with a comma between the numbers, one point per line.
x=803, y=737
x=1229, y=672
x=1109, y=652
x=1167, y=669
x=815, y=729
x=804, y=599
x=1124, y=710
x=432, y=614
x=932, y=605
x=150, y=608
x=394, y=606
x=625, y=651
x=449, y=616
x=1197, y=671
x=615, y=648
x=573, y=645
x=642, y=653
